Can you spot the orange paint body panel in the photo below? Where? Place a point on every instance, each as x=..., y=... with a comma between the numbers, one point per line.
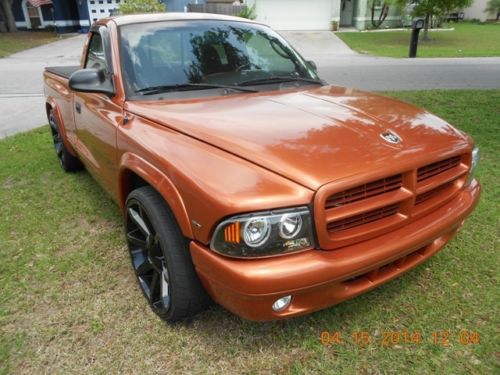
x=378, y=208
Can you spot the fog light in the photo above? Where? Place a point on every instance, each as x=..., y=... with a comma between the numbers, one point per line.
x=282, y=303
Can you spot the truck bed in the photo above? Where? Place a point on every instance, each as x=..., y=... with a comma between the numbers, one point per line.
x=63, y=71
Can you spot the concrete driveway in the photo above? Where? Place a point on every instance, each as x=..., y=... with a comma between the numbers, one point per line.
x=21, y=89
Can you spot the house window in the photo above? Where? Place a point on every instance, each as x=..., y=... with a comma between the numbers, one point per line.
x=34, y=16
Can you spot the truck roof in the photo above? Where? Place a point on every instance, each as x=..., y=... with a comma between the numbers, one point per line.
x=171, y=16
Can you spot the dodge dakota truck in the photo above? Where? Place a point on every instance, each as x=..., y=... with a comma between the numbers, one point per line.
x=243, y=177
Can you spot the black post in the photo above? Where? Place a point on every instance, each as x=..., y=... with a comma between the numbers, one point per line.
x=417, y=25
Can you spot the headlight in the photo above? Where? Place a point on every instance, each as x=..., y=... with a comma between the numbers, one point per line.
x=264, y=233
x=256, y=231
x=473, y=165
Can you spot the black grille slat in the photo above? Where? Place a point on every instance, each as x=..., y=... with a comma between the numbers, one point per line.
x=365, y=191
x=421, y=198
x=431, y=170
x=364, y=218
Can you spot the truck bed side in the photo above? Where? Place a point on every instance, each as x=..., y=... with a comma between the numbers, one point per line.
x=60, y=100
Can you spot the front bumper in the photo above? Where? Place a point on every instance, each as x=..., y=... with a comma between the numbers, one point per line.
x=317, y=279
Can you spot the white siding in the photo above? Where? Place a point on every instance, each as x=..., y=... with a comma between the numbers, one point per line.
x=295, y=14
x=476, y=11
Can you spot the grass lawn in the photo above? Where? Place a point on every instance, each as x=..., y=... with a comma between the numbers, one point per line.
x=14, y=42
x=69, y=302
x=467, y=40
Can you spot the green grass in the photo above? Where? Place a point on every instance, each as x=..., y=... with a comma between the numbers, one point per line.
x=19, y=41
x=69, y=302
x=467, y=40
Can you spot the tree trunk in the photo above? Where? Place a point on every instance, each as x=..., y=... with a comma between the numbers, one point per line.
x=10, y=21
x=498, y=16
x=382, y=16
x=3, y=28
x=426, y=27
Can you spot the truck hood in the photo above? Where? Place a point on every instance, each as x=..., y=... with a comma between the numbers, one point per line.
x=311, y=136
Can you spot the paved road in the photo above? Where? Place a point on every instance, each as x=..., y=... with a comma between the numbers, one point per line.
x=22, y=104
x=339, y=65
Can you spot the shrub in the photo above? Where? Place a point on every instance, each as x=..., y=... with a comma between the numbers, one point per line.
x=248, y=13
x=142, y=6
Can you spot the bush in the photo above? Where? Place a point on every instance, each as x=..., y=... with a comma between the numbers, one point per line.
x=142, y=6
x=248, y=13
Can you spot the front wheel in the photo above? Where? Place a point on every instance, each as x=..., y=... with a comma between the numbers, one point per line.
x=160, y=257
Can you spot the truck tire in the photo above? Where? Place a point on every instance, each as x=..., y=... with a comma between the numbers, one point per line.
x=160, y=257
x=68, y=162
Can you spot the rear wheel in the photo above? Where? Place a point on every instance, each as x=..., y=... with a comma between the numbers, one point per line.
x=67, y=161
x=160, y=257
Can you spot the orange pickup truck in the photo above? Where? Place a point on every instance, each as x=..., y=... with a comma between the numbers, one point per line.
x=243, y=177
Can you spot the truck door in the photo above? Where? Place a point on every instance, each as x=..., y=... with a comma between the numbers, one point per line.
x=97, y=117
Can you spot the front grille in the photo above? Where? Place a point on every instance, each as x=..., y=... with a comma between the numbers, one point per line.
x=364, y=218
x=349, y=215
x=368, y=190
x=434, y=169
x=421, y=198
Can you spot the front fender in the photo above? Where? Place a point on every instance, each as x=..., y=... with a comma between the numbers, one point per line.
x=130, y=162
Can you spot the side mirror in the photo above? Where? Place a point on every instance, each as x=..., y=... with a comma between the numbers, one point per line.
x=313, y=65
x=91, y=80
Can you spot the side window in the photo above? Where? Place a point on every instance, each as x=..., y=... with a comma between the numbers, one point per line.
x=95, y=54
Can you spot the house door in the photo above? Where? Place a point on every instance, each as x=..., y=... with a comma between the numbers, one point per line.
x=346, y=12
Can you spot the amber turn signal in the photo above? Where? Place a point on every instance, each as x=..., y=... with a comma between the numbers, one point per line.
x=232, y=233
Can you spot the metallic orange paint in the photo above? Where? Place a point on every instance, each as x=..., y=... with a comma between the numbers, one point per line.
x=214, y=157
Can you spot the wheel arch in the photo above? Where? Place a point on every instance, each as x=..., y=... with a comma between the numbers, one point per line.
x=51, y=105
x=135, y=172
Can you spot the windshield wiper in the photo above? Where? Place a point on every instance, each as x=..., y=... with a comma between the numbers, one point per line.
x=278, y=79
x=189, y=86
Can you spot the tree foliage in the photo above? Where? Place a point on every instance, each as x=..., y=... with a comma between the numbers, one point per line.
x=248, y=12
x=142, y=6
x=430, y=8
x=493, y=6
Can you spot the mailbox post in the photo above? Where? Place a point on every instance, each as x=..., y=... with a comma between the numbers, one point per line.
x=417, y=25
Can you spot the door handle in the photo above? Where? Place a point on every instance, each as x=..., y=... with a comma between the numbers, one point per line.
x=78, y=107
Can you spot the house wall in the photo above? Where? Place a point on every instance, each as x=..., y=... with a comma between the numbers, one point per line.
x=362, y=17
x=65, y=17
x=476, y=11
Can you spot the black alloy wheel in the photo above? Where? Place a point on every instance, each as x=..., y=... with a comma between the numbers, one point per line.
x=147, y=258
x=160, y=257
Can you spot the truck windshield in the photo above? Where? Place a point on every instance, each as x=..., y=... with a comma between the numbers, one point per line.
x=208, y=53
